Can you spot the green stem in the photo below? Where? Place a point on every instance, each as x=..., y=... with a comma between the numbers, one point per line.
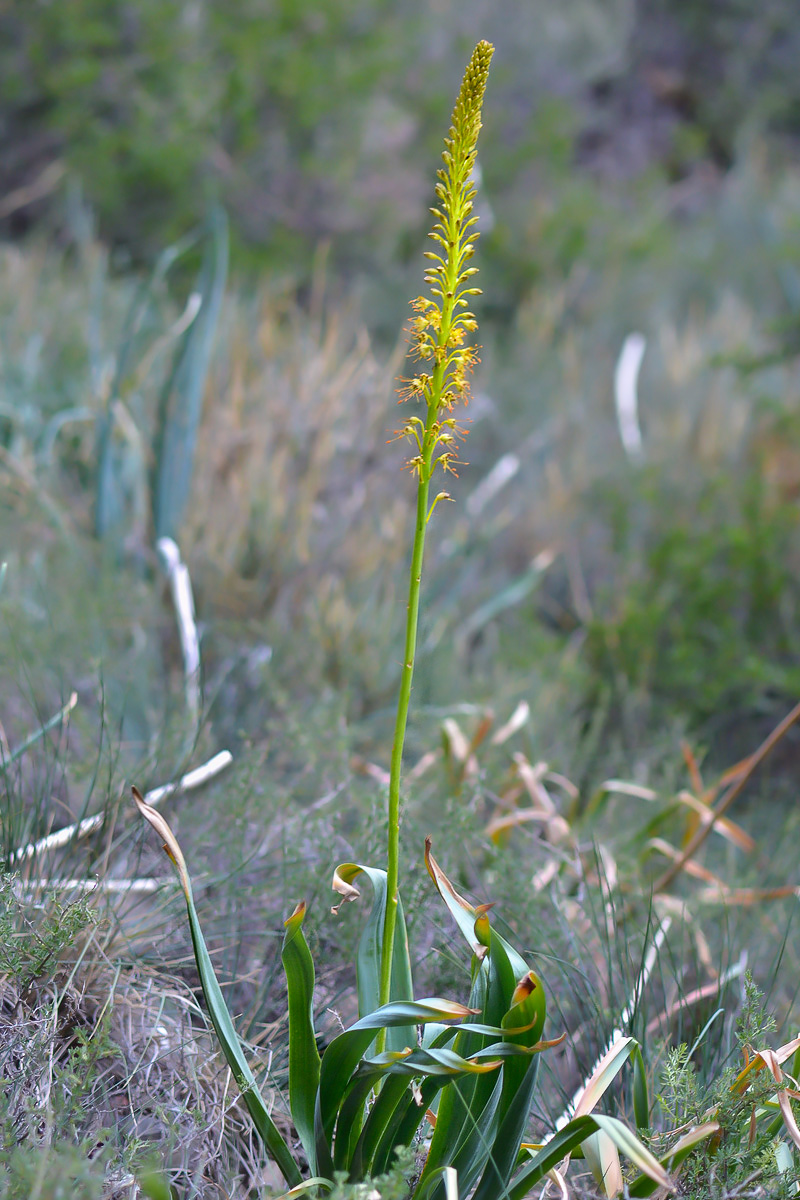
x=412, y=623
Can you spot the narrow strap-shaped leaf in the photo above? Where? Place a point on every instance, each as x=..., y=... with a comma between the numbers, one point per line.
x=475, y=1131
x=521, y=1009
x=511, y=1130
x=465, y=914
x=351, y=1120
x=464, y=1106
x=344, y=1053
x=626, y=1141
x=218, y=1011
x=412, y=1109
x=602, y=1158
x=643, y=1185
x=519, y=1082
x=405, y=1122
x=322, y=1143
x=304, y=1059
x=308, y=1185
x=384, y=1108
x=574, y=1134
x=370, y=949
x=562, y=1143
x=641, y=1100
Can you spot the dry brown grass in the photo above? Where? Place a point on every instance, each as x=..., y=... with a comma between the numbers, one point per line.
x=117, y=1059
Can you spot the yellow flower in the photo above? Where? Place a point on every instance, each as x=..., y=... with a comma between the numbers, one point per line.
x=438, y=331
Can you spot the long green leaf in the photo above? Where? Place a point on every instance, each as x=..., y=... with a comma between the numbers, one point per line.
x=304, y=1059
x=461, y=1104
x=643, y=1185
x=182, y=400
x=351, y=1120
x=575, y=1134
x=352, y=1151
x=602, y=1157
x=471, y=1112
x=383, y=1114
x=519, y=1084
x=405, y=1122
x=562, y=1143
x=465, y=914
x=410, y=1112
x=370, y=949
x=475, y=1129
x=218, y=1010
x=629, y=1144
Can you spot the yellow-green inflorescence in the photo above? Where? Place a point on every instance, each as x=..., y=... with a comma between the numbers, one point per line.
x=442, y=321
x=439, y=330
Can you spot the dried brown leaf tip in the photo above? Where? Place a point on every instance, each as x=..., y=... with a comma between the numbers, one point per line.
x=526, y=986
x=173, y=850
x=342, y=883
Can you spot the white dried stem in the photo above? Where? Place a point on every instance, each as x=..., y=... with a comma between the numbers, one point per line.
x=626, y=379
x=183, y=600
x=61, y=837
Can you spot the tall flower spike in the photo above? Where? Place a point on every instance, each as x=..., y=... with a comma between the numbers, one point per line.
x=442, y=320
x=438, y=333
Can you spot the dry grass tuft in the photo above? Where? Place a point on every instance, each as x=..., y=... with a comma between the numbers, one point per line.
x=110, y=1066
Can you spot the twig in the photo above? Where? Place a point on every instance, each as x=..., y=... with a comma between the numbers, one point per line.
x=23, y=196
x=736, y=788
x=91, y=885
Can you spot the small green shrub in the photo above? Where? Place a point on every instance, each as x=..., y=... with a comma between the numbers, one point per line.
x=748, y=1150
x=31, y=949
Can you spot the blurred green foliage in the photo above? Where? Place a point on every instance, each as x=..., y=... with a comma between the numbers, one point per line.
x=733, y=66
x=310, y=122
x=313, y=121
x=161, y=106
x=703, y=610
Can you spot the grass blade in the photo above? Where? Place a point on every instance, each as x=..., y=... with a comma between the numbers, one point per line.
x=218, y=1010
x=182, y=401
x=641, y=1099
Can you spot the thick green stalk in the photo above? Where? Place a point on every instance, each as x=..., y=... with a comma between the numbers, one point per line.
x=403, y=700
x=412, y=619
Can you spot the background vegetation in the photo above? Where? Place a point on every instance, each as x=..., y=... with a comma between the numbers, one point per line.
x=641, y=173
